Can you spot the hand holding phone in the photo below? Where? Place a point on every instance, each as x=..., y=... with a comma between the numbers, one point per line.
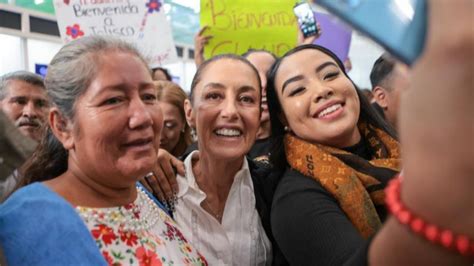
x=399, y=26
x=306, y=20
x=310, y=39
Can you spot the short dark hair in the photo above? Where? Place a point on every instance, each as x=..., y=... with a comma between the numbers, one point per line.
x=203, y=66
x=164, y=70
x=382, y=70
x=25, y=76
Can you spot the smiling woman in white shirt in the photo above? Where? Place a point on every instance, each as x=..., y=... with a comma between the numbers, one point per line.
x=216, y=204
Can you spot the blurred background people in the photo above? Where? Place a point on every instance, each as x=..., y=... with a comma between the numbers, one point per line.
x=15, y=148
x=104, y=134
x=389, y=79
x=262, y=60
x=368, y=94
x=176, y=133
x=23, y=99
x=160, y=73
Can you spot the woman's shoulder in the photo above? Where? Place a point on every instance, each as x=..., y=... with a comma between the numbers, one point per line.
x=35, y=214
x=36, y=192
x=31, y=204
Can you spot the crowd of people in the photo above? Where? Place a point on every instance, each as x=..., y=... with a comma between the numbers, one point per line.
x=267, y=161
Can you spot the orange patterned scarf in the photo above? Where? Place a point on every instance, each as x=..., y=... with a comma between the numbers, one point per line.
x=356, y=183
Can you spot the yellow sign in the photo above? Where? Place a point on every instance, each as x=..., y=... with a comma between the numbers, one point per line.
x=238, y=25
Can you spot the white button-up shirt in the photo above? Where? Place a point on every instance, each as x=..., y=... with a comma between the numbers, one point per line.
x=240, y=239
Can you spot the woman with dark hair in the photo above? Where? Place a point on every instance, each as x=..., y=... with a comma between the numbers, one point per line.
x=221, y=205
x=335, y=156
x=161, y=73
x=176, y=133
x=80, y=204
x=335, y=153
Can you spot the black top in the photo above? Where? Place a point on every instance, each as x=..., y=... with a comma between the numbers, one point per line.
x=361, y=149
x=309, y=225
x=260, y=148
x=192, y=147
x=264, y=183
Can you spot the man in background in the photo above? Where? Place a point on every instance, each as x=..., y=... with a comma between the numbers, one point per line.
x=23, y=112
x=23, y=100
x=389, y=78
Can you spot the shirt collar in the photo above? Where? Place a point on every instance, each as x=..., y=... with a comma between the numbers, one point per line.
x=187, y=183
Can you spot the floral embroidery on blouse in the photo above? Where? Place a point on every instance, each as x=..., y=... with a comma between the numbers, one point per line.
x=139, y=233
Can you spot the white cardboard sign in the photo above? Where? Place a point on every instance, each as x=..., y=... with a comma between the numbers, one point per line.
x=141, y=22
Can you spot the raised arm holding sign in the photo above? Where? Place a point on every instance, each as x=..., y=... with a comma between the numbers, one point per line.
x=239, y=25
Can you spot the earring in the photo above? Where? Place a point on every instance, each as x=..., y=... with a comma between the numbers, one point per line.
x=287, y=129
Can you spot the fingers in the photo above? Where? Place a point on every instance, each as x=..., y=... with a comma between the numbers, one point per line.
x=300, y=37
x=202, y=40
x=320, y=30
x=151, y=181
x=199, y=42
x=170, y=174
x=178, y=168
x=202, y=30
x=205, y=39
x=161, y=180
x=310, y=39
x=145, y=184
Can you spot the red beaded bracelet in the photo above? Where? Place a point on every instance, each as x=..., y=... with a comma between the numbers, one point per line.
x=433, y=233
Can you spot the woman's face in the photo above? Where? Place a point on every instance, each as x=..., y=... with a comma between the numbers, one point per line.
x=173, y=126
x=263, y=62
x=320, y=104
x=117, y=123
x=226, y=109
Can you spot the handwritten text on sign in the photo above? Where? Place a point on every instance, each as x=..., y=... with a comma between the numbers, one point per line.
x=141, y=22
x=238, y=25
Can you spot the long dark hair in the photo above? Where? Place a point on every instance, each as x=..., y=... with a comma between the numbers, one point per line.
x=69, y=74
x=165, y=72
x=367, y=113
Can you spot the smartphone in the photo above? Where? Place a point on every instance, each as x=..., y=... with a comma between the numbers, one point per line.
x=306, y=19
x=398, y=25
